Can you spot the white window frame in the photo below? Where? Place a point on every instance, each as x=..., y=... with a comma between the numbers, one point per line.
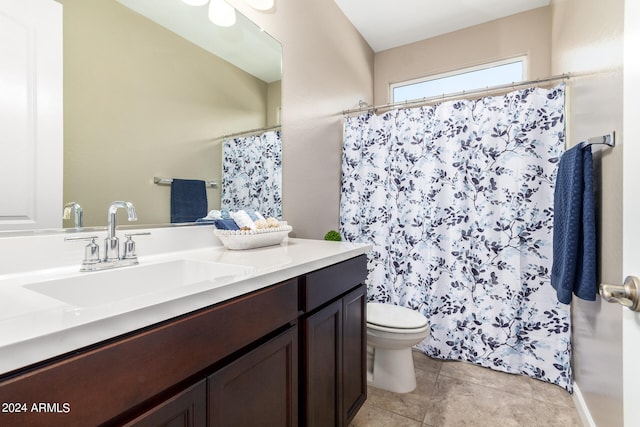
x=459, y=71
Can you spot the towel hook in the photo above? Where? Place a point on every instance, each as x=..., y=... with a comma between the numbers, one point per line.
x=627, y=294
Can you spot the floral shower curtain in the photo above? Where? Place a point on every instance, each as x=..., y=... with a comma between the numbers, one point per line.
x=457, y=201
x=252, y=174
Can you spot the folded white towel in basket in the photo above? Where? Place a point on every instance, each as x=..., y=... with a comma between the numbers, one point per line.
x=243, y=220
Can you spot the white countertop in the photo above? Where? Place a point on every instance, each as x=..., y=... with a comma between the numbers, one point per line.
x=35, y=327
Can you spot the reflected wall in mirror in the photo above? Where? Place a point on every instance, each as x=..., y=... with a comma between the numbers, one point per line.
x=142, y=101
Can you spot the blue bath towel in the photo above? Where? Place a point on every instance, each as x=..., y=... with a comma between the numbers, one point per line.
x=188, y=200
x=574, y=228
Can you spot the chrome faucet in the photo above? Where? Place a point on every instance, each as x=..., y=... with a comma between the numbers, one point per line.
x=112, y=258
x=111, y=243
x=77, y=213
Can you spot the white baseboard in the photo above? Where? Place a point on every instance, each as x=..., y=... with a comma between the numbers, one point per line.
x=581, y=406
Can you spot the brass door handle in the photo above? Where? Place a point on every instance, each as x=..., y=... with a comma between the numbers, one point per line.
x=626, y=294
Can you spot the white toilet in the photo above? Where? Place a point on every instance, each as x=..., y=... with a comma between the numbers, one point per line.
x=391, y=332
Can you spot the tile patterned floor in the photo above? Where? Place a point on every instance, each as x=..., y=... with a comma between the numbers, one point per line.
x=456, y=394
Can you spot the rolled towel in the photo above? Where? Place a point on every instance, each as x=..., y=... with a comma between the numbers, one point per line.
x=243, y=220
x=254, y=215
x=225, y=224
x=212, y=215
x=205, y=221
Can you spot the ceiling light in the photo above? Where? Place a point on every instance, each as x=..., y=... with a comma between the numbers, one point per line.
x=261, y=4
x=195, y=2
x=221, y=13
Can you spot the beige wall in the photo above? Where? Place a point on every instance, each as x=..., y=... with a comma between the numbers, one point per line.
x=327, y=68
x=133, y=111
x=587, y=40
x=527, y=33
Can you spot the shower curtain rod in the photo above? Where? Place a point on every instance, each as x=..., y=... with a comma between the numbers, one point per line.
x=457, y=95
x=249, y=132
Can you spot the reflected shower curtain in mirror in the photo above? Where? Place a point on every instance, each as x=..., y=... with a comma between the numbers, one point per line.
x=252, y=174
x=457, y=201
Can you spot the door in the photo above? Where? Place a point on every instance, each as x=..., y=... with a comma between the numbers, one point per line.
x=30, y=114
x=631, y=208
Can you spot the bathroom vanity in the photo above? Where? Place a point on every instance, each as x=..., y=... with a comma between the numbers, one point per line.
x=282, y=343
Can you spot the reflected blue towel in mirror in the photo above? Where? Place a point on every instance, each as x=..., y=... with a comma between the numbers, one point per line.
x=574, y=228
x=188, y=200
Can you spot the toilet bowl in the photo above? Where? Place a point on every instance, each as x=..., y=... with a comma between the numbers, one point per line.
x=391, y=332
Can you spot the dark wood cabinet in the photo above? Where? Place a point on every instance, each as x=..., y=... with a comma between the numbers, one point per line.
x=334, y=346
x=290, y=354
x=114, y=382
x=322, y=350
x=260, y=389
x=186, y=409
x=354, y=352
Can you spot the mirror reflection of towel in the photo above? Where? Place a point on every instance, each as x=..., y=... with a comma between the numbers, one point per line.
x=188, y=200
x=574, y=229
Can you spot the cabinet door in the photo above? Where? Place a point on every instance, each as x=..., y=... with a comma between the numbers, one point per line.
x=258, y=389
x=335, y=382
x=354, y=352
x=186, y=409
x=322, y=355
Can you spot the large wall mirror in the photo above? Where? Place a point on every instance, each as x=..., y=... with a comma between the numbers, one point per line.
x=150, y=89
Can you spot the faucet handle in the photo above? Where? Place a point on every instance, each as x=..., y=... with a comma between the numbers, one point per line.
x=91, y=252
x=130, y=245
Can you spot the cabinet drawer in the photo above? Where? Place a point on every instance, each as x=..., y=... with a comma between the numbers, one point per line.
x=322, y=286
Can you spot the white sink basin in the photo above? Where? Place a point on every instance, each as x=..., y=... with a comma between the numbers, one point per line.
x=169, y=278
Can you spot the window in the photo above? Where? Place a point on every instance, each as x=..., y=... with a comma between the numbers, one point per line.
x=494, y=74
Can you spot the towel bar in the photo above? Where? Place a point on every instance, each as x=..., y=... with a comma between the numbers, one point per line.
x=168, y=181
x=609, y=140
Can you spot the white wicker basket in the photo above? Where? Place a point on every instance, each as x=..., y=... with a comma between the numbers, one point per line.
x=249, y=239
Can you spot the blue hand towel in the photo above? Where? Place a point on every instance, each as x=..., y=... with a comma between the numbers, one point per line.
x=574, y=229
x=188, y=200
